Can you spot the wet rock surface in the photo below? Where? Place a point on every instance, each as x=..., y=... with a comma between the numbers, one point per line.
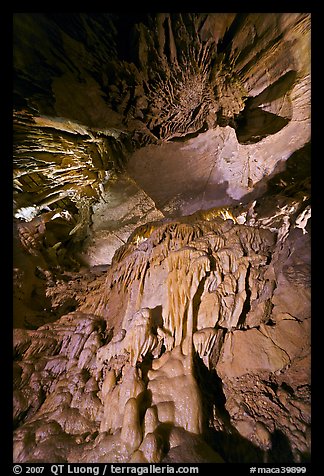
x=201, y=302
x=162, y=223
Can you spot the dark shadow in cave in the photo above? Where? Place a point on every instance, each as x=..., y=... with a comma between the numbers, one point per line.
x=163, y=431
x=297, y=169
x=256, y=124
x=275, y=91
x=157, y=320
x=225, y=44
x=285, y=179
x=127, y=34
x=189, y=135
x=280, y=449
x=253, y=123
x=197, y=300
x=228, y=442
x=247, y=302
x=232, y=447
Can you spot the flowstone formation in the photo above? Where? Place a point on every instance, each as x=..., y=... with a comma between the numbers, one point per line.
x=107, y=106
x=183, y=349
x=162, y=221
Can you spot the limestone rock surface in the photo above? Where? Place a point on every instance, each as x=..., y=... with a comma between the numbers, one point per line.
x=114, y=384
x=162, y=238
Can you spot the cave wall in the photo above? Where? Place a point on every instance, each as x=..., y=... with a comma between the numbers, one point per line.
x=198, y=337
x=162, y=222
x=126, y=102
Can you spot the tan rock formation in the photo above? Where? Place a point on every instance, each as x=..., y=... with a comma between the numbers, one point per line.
x=162, y=222
x=144, y=379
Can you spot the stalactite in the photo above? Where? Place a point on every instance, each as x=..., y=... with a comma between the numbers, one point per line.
x=214, y=280
x=165, y=133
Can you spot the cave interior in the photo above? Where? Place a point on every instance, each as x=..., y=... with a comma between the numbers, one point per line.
x=161, y=238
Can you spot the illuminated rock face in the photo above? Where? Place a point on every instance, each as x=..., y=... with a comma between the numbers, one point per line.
x=132, y=119
x=127, y=387
x=162, y=238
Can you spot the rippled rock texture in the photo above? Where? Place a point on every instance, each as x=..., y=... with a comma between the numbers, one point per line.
x=162, y=220
x=199, y=336
x=131, y=119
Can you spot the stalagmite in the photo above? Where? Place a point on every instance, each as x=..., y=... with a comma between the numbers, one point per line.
x=150, y=420
x=175, y=391
x=143, y=375
x=162, y=230
x=130, y=387
x=131, y=432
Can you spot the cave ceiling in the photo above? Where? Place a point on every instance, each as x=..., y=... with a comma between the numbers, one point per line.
x=120, y=120
x=162, y=230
